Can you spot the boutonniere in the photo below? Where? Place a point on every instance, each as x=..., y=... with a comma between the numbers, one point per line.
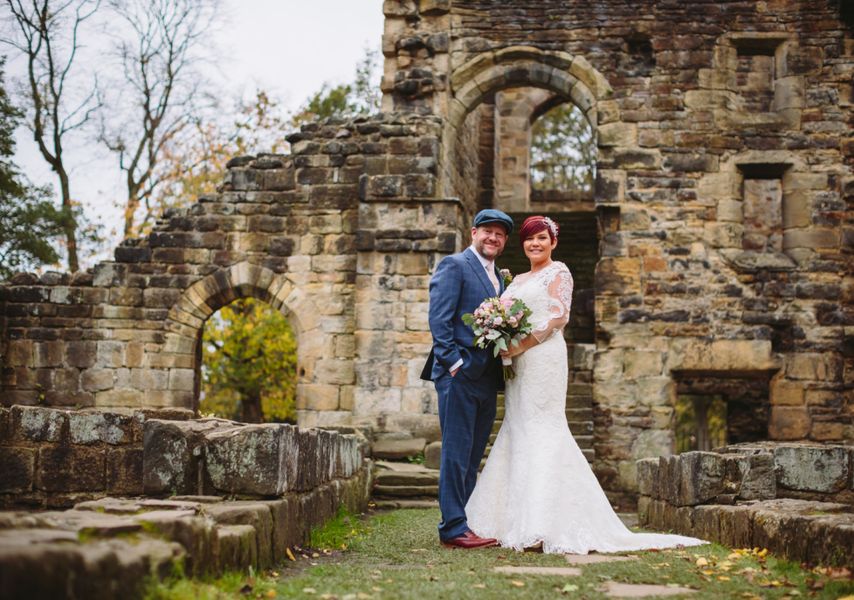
x=506, y=276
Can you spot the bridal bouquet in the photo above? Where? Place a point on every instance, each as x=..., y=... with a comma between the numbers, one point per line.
x=501, y=322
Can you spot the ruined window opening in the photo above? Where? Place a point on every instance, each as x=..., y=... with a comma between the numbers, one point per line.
x=715, y=408
x=562, y=155
x=764, y=204
x=701, y=423
x=638, y=58
x=247, y=364
x=755, y=73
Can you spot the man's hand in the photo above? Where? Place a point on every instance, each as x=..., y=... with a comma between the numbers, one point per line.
x=454, y=372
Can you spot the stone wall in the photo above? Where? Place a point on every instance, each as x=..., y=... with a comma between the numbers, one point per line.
x=724, y=192
x=340, y=236
x=184, y=476
x=54, y=458
x=793, y=498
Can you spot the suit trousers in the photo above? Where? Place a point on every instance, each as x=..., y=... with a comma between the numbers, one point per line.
x=466, y=416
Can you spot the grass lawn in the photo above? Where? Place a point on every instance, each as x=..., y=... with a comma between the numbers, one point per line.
x=397, y=555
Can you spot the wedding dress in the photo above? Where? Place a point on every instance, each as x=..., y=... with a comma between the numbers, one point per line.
x=537, y=485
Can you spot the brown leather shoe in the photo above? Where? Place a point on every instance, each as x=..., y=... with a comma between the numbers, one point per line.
x=469, y=540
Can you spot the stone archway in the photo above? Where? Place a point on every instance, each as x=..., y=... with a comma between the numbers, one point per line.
x=570, y=77
x=317, y=385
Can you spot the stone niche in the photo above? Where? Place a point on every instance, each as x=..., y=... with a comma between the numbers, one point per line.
x=751, y=82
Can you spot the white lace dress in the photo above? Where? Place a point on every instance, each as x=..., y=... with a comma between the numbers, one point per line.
x=537, y=485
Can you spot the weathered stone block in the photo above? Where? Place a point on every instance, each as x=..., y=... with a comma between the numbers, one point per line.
x=700, y=477
x=87, y=427
x=751, y=476
x=789, y=423
x=433, y=455
x=194, y=533
x=253, y=514
x=307, y=474
x=71, y=469
x=813, y=468
x=397, y=448
x=647, y=472
x=125, y=471
x=38, y=424
x=18, y=469
x=173, y=453
x=251, y=459
x=235, y=547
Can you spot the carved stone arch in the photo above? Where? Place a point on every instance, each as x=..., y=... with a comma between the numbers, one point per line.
x=186, y=318
x=241, y=280
x=570, y=77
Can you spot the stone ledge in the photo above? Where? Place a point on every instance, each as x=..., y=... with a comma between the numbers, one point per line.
x=799, y=530
x=119, y=544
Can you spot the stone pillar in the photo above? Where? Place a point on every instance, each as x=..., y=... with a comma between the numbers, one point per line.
x=515, y=108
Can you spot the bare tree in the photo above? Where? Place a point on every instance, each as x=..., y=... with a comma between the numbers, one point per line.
x=46, y=33
x=158, y=57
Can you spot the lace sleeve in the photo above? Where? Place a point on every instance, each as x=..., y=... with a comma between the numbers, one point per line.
x=560, y=302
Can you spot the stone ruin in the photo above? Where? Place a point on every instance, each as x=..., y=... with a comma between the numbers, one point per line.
x=157, y=493
x=793, y=498
x=717, y=256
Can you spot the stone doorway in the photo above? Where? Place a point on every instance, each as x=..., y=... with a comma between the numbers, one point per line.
x=246, y=364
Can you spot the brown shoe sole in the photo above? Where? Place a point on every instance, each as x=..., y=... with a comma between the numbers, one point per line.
x=453, y=546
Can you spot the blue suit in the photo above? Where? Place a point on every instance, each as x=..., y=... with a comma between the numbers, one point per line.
x=466, y=400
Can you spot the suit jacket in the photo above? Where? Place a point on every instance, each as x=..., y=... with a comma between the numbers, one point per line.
x=458, y=286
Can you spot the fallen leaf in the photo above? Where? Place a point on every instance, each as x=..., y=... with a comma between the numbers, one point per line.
x=290, y=554
x=517, y=583
x=479, y=586
x=271, y=593
x=309, y=591
x=702, y=562
x=569, y=587
x=723, y=578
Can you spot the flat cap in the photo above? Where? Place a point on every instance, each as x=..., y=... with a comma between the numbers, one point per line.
x=493, y=215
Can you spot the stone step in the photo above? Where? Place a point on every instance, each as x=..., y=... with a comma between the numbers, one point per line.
x=579, y=401
x=394, y=504
x=584, y=441
x=578, y=428
x=579, y=414
x=406, y=491
x=401, y=478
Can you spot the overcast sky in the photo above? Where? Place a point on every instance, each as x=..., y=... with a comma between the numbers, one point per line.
x=286, y=47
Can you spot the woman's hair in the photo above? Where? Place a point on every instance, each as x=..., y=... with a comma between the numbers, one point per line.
x=536, y=224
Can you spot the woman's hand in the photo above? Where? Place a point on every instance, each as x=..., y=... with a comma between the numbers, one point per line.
x=516, y=350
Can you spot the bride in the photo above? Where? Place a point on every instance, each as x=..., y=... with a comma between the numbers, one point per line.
x=537, y=489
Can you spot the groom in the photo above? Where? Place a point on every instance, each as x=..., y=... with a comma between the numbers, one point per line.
x=467, y=378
